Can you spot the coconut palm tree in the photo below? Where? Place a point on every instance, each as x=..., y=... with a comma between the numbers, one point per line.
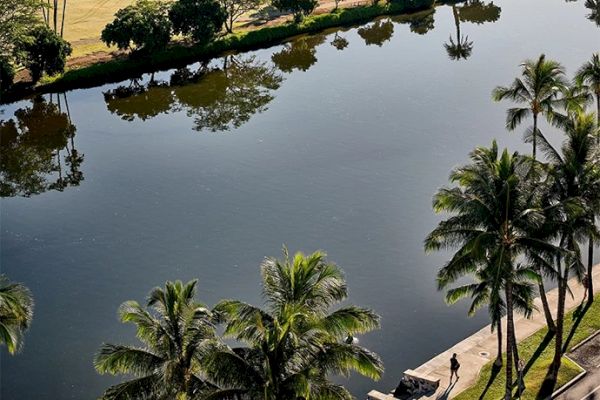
x=172, y=328
x=494, y=207
x=296, y=342
x=16, y=313
x=588, y=76
x=594, y=7
x=538, y=89
x=575, y=183
x=487, y=290
x=462, y=48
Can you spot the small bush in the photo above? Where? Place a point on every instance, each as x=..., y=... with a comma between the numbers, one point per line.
x=7, y=74
x=199, y=19
x=145, y=24
x=43, y=51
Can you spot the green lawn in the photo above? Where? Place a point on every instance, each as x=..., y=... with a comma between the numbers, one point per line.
x=537, y=351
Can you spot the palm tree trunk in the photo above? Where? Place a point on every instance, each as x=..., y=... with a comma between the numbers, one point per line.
x=598, y=115
x=55, y=13
x=547, y=312
x=510, y=328
x=498, y=361
x=535, y=132
x=62, y=26
x=590, y=267
x=558, y=339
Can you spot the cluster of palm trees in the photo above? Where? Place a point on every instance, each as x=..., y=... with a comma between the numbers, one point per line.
x=286, y=350
x=515, y=220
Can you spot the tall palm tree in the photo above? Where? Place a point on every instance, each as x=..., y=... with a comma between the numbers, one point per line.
x=487, y=290
x=493, y=207
x=589, y=76
x=16, y=313
x=594, y=7
x=297, y=341
x=575, y=184
x=538, y=88
x=462, y=48
x=172, y=328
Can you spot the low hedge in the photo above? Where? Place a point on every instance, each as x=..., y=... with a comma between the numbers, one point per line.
x=178, y=55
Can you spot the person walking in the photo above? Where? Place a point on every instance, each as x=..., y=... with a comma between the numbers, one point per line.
x=454, y=366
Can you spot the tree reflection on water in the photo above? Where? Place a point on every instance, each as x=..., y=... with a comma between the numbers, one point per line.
x=218, y=98
x=37, y=149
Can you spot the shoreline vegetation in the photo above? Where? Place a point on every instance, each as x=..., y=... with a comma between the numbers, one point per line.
x=180, y=54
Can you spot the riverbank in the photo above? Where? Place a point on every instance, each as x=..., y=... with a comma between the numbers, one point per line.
x=180, y=54
x=477, y=353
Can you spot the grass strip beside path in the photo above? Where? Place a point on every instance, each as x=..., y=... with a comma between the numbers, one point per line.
x=537, y=351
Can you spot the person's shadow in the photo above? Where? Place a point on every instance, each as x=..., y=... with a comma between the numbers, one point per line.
x=446, y=394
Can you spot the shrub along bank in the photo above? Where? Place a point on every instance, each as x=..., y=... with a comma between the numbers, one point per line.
x=180, y=54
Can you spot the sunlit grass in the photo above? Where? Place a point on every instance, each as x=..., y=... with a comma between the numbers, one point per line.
x=537, y=351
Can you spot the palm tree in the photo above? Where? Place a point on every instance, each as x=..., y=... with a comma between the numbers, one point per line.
x=172, y=328
x=589, y=76
x=16, y=313
x=494, y=208
x=575, y=185
x=462, y=48
x=538, y=89
x=487, y=290
x=594, y=7
x=296, y=342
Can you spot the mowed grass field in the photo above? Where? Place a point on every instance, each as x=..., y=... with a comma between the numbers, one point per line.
x=84, y=21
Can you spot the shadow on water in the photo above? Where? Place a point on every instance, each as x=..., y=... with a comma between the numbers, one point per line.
x=37, y=149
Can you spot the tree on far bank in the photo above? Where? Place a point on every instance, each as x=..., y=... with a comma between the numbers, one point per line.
x=236, y=8
x=16, y=19
x=16, y=313
x=300, y=8
x=145, y=25
x=199, y=19
x=43, y=51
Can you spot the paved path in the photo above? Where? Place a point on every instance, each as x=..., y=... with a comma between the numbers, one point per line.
x=481, y=347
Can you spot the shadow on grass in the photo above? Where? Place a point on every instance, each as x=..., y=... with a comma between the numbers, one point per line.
x=538, y=352
x=548, y=385
x=578, y=315
x=495, y=371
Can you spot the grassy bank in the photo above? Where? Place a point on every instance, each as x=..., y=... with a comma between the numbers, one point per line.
x=179, y=54
x=537, y=351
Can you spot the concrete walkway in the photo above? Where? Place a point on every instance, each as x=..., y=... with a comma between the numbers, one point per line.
x=481, y=347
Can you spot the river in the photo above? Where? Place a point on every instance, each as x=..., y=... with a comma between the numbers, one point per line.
x=335, y=141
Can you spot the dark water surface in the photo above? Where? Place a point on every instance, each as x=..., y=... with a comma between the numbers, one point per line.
x=335, y=141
